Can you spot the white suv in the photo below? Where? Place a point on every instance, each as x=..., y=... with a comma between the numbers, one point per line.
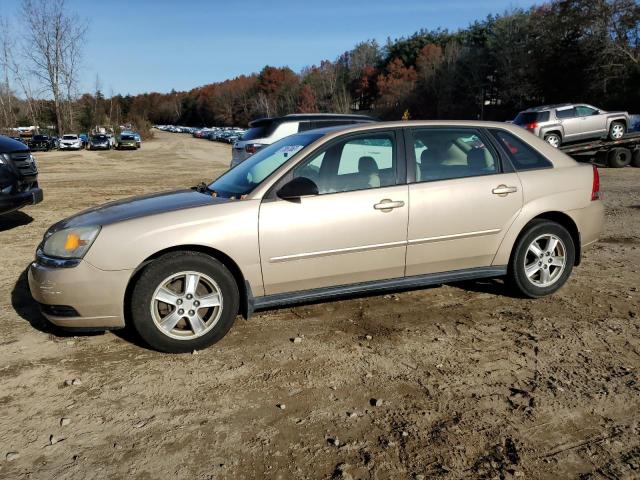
x=265, y=131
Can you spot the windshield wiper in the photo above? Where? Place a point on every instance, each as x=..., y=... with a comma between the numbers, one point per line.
x=203, y=187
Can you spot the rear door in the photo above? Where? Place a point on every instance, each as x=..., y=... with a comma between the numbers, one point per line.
x=571, y=125
x=462, y=199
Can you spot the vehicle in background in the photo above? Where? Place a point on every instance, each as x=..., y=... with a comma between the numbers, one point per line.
x=42, y=143
x=138, y=139
x=99, y=142
x=126, y=140
x=568, y=122
x=180, y=266
x=265, y=131
x=18, y=176
x=70, y=142
x=85, y=139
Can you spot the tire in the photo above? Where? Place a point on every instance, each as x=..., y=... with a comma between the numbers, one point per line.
x=619, y=157
x=147, y=311
x=635, y=158
x=553, y=139
x=522, y=260
x=617, y=130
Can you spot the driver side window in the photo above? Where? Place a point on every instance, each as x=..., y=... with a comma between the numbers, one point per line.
x=356, y=163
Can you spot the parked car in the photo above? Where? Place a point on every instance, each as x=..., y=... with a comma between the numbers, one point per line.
x=126, y=141
x=138, y=139
x=99, y=142
x=85, y=139
x=371, y=207
x=42, y=143
x=558, y=124
x=18, y=176
x=70, y=142
x=265, y=131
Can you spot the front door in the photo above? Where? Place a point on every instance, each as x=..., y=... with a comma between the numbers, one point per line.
x=353, y=231
x=461, y=204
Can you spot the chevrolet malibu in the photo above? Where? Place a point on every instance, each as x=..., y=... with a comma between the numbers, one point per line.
x=319, y=214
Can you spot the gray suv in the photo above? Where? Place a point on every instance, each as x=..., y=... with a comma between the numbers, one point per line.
x=265, y=131
x=558, y=124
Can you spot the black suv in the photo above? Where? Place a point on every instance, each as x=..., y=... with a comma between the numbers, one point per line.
x=42, y=143
x=18, y=176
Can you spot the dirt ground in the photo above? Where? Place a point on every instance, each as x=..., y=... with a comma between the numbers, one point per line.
x=472, y=383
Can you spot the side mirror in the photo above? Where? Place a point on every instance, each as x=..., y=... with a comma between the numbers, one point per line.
x=296, y=188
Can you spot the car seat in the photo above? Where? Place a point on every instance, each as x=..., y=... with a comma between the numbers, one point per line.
x=368, y=169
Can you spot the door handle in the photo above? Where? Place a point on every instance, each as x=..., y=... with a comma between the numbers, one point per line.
x=387, y=205
x=503, y=190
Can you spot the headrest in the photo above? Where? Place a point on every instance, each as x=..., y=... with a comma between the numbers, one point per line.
x=476, y=159
x=367, y=165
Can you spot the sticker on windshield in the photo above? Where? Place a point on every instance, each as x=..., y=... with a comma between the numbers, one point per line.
x=289, y=150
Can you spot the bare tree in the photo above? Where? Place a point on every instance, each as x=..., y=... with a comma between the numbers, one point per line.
x=53, y=41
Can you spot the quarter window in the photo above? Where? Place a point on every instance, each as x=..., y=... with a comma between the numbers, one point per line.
x=443, y=153
x=522, y=155
x=356, y=163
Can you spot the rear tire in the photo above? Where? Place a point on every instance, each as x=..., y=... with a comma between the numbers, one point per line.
x=542, y=259
x=617, y=130
x=553, y=139
x=184, y=325
x=619, y=157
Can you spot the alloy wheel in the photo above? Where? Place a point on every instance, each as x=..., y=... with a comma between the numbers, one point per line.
x=617, y=131
x=545, y=260
x=186, y=305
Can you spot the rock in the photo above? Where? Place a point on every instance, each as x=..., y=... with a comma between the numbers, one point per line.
x=195, y=352
x=282, y=406
x=68, y=383
x=352, y=414
x=76, y=382
x=376, y=402
x=11, y=456
x=405, y=434
x=296, y=339
x=53, y=439
x=334, y=441
x=64, y=421
x=368, y=337
x=419, y=476
x=368, y=375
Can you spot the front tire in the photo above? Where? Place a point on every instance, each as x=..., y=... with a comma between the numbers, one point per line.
x=617, y=130
x=184, y=301
x=553, y=139
x=542, y=259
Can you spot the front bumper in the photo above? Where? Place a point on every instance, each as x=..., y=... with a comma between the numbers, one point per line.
x=12, y=202
x=82, y=296
x=70, y=147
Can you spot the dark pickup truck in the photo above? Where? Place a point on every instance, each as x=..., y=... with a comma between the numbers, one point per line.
x=18, y=176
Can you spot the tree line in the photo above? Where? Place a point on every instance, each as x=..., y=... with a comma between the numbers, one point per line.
x=559, y=51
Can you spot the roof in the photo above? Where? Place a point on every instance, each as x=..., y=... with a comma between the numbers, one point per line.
x=294, y=117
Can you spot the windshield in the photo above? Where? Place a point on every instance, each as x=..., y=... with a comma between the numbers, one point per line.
x=126, y=137
x=249, y=174
x=69, y=137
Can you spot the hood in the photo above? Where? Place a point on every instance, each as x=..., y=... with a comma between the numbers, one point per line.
x=137, y=207
x=8, y=145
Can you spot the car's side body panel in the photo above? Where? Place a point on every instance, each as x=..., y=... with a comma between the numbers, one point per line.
x=333, y=239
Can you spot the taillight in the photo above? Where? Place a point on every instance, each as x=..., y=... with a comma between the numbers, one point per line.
x=531, y=126
x=595, y=188
x=252, y=148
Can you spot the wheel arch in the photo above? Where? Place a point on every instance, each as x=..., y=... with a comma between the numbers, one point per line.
x=243, y=287
x=562, y=219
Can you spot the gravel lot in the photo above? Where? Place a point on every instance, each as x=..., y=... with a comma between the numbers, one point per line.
x=457, y=381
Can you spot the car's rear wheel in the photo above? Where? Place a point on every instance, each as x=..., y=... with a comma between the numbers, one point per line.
x=542, y=259
x=617, y=130
x=553, y=139
x=184, y=301
x=619, y=157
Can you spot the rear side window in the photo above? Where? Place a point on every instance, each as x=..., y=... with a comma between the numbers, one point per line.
x=522, y=155
x=524, y=118
x=566, y=113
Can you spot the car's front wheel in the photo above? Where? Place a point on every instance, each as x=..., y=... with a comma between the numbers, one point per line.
x=553, y=139
x=617, y=130
x=542, y=259
x=184, y=301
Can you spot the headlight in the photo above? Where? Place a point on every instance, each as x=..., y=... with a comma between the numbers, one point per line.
x=70, y=242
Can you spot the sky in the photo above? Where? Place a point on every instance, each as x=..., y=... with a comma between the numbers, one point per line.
x=141, y=46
